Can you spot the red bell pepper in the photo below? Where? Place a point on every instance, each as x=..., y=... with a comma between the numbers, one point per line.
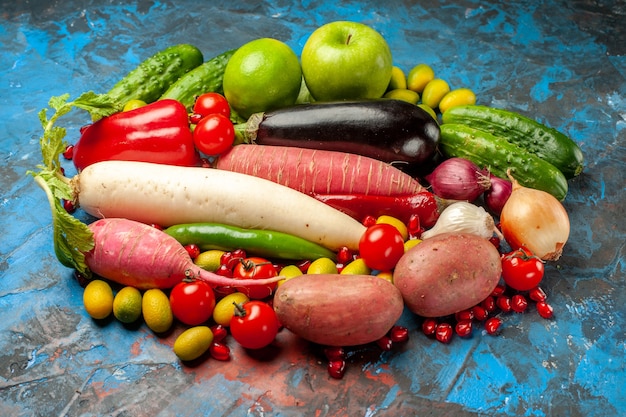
x=158, y=132
x=424, y=204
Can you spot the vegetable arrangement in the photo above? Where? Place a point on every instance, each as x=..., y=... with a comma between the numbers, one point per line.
x=218, y=224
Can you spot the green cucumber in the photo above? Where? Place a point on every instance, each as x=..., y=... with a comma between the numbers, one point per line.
x=150, y=79
x=202, y=79
x=498, y=155
x=547, y=143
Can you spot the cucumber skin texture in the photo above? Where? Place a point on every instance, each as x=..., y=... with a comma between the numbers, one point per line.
x=498, y=155
x=150, y=79
x=543, y=141
x=205, y=78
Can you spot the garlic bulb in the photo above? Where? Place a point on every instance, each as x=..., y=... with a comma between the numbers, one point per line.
x=463, y=217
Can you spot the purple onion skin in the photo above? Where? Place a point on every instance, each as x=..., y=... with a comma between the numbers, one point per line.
x=458, y=179
x=498, y=194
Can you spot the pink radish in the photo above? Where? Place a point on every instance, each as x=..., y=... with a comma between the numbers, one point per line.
x=167, y=195
x=318, y=172
x=142, y=256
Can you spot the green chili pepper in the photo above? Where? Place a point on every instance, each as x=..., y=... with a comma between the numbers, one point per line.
x=265, y=243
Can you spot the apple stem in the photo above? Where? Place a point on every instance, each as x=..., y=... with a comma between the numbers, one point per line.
x=348, y=39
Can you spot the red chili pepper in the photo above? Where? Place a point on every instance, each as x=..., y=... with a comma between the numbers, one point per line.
x=425, y=204
x=158, y=132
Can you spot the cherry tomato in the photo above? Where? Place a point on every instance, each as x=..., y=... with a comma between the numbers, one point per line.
x=254, y=325
x=521, y=270
x=211, y=103
x=256, y=268
x=381, y=246
x=192, y=302
x=214, y=134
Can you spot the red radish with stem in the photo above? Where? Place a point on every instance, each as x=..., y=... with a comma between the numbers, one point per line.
x=135, y=254
x=317, y=171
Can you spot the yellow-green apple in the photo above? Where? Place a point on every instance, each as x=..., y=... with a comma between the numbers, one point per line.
x=345, y=60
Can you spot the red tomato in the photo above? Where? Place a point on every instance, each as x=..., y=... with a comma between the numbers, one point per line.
x=521, y=270
x=211, y=103
x=214, y=134
x=192, y=302
x=381, y=246
x=254, y=325
x=259, y=268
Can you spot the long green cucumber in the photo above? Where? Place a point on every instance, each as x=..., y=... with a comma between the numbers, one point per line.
x=545, y=142
x=498, y=155
x=151, y=78
x=202, y=79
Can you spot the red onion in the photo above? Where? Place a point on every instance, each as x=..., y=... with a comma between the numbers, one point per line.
x=498, y=194
x=458, y=179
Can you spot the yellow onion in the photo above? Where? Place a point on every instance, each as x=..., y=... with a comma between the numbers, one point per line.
x=536, y=220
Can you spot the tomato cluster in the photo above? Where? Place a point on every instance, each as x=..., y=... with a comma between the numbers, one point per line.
x=213, y=133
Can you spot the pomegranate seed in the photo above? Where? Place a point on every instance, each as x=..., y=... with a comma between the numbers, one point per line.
x=219, y=351
x=444, y=332
x=156, y=226
x=499, y=290
x=480, y=313
x=429, y=326
x=219, y=332
x=369, y=221
x=69, y=206
x=464, y=315
x=68, y=153
x=489, y=304
x=193, y=250
x=492, y=325
x=399, y=334
x=334, y=353
x=224, y=271
x=504, y=303
x=519, y=303
x=545, y=310
x=463, y=328
x=194, y=118
x=344, y=256
x=385, y=343
x=495, y=241
x=337, y=368
x=537, y=294
x=414, y=226
x=304, y=265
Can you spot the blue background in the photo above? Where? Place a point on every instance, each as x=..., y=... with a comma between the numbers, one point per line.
x=561, y=62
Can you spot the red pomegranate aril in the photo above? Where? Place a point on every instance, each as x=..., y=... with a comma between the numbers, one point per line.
x=334, y=353
x=444, y=332
x=537, y=294
x=480, y=313
x=385, y=343
x=369, y=221
x=344, y=255
x=69, y=206
x=156, y=226
x=545, y=310
x=68, y=153
x=194, y=118
x=219, y=351
x=224, y=271
x=499, y=290
x=519, y=303
x=463, y=328
x=337, y=368
x=464, y=315
x=489, y=304
x=193, y=250
x=492, y=325
x=495, y=241
x=399, y=334
x=504, y=303
x=429, y=326
x=304, y=265
x=219, y=332
x=414, y=226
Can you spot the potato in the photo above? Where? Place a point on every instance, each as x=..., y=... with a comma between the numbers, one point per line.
x=447, y=273
x=338, y=310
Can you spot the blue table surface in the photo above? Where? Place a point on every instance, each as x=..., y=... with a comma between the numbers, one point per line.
x=562, y=62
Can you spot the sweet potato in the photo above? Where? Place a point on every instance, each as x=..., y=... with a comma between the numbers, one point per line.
x=447, y=273
x=338, y=310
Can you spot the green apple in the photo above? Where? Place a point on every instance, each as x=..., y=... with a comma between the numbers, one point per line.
x=345, y=60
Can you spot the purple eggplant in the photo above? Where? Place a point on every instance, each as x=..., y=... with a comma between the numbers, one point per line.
x=392, y=131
